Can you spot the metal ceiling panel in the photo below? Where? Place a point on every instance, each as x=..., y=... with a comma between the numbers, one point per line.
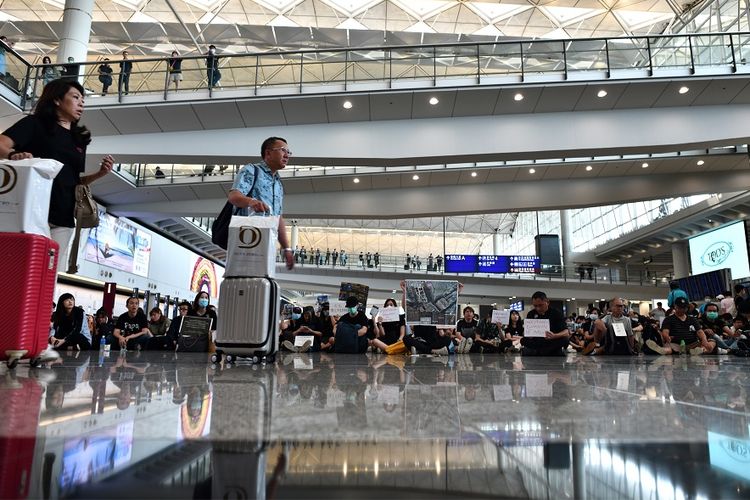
x=421, y=107
x=672, y=97
x=359, y=111
x=386, y=181
x=590, y=101
x=506, y=104
x=438, y=178
x=98, y=123
x=175, y=117
x=260, y=113
x=132, y=120
x=558, y=98
x=559, y=172
x=502, y=174
x=640, y=95
x=298, y=185
x=390, y=106
x=219, y=115
x=179, y=193
x=304, y=110
x=721, y=91
x=475, y=103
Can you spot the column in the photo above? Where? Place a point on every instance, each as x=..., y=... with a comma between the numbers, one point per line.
x=565, y=237
x=74, y=41
x=496, y=244
x=295, y=236
x=681, y=259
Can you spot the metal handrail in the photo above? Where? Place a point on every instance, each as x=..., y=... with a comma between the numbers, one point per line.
x=460, y=64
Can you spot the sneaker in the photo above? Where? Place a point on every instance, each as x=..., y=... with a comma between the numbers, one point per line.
x=469, y=344
x=657, y=348
x=719, y=350
x=49, y=354
x=696, y=351
x=589, y=348
x=443, y=351
x=305, y=347
x=289, y=346
x=413, y=351
x=461, y=346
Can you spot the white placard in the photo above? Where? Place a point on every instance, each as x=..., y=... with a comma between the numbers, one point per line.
x=623, y=381
x=389, y=314
x=502, y=317
x=502, y=392
x=537, y=385
x=299, y=340
x=337, y=308
x=389, y=394
x=619, y=329
x=302, y=362
x=535, y=328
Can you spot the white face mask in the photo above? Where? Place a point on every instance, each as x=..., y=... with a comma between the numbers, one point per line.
x=593, y=316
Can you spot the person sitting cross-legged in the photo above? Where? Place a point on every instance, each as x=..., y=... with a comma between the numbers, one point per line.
x=680, y=327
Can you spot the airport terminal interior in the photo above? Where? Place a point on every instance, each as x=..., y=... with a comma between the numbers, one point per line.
x=529, y=195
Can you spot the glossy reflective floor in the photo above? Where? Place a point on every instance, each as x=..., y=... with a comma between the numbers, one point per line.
x=152, y=425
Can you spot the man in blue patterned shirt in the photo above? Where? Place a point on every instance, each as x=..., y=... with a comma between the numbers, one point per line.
x=257, y=188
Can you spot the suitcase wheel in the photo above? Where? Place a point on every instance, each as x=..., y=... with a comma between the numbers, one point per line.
x=35, y=362
x=229, y=358
x=216, y=357
x=270, y=358
x=12, y=363
x=256, y=359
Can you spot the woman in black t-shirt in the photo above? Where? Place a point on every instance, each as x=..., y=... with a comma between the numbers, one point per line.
x=201, y=309
x=70, y=328
x=389, y=332
x=52, y=131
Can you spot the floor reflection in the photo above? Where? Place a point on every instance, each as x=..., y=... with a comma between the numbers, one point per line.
x=154, y=425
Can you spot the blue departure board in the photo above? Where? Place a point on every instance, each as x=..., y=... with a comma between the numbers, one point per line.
x=492, y=264
x=461, y=263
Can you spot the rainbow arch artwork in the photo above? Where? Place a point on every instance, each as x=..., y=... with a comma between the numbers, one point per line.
x=204, y=277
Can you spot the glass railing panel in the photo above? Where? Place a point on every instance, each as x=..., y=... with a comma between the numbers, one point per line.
x=412, y=63
x=236, y=72
x=278, y=69
x=542, y=56
x=671, y=53
x=500, y=59
x=712, y=50
x=369, y=66
x=741, y=42
x=631, y=53
x=325, y=68
x=586, y=55
x=13, y=70
x=457, y=61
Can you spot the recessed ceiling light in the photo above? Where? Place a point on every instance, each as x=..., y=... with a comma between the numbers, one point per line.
x=532, y=170
x=589, y=168
x=434, y=100
x=347, y=105
x=684, y=90
x=518, y=97
x=644, y=165
x=415, y=177
x=473, y=174
x=601, y=93
x=701, y=162
x=356, y=180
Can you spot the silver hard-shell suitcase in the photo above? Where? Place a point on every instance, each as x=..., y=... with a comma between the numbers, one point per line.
x=249, y=312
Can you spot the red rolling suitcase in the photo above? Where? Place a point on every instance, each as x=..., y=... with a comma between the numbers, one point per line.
x=22, y=399
x=29, y=263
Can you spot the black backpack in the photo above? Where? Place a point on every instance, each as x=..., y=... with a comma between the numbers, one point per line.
x=650, y=332
x=614, y=344
x=220, y=227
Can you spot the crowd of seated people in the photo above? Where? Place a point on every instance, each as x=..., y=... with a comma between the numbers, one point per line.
x=72, y=329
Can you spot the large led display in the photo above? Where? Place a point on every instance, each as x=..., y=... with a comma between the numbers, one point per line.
x=725, y=247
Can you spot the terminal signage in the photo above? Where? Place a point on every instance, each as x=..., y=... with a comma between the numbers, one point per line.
x=493, y=264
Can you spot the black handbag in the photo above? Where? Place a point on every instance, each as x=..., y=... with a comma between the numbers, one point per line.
x=220, y=227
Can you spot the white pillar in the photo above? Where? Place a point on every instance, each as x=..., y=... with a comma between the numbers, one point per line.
x=681, y=259
x=496, y=244
x=74, y=41
x=295, y=236
x=565, y=237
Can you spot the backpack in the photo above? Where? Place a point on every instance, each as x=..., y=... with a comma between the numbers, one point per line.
x=220, y=227
x=347, y=340
x=612, y=343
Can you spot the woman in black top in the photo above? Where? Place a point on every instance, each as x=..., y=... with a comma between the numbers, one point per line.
x=174, y=65
x=390, y=332
x=70, y=327
x=201, y=309
x=52, y=131
x=105, y=75
x=514, y=330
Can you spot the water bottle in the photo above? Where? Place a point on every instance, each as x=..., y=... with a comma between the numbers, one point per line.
x=683, y=350
x=102, y=344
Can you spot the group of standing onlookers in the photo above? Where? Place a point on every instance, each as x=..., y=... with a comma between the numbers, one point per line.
x=105, y=72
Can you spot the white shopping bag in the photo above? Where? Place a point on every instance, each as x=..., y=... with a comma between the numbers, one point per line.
x=251, y=251
x=25, y=187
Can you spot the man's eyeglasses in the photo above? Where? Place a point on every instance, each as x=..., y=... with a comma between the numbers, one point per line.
x=284, y=150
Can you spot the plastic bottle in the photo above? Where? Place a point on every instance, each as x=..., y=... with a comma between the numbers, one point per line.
x=683, y=349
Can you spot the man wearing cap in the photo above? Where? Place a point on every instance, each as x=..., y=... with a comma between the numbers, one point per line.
x=681, y=327
x=355, y=317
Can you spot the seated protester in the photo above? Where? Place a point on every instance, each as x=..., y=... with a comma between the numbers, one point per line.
x=693, y=310
x=466, y=331
x=388, y=332
x=488, y=338
x=202, y=309
x=131, y=329
x=183, y=309
x=555, y=341
x=300, y=324
x=577, y=337
x=327, y=324
x=728, y=342
x=612, y=339
x=357, y=318
x=681, y=327
x=714, y=327
x=590, y=339
x=159, y=325
x=514, y=329
x=103, y=327
x=70, y=328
